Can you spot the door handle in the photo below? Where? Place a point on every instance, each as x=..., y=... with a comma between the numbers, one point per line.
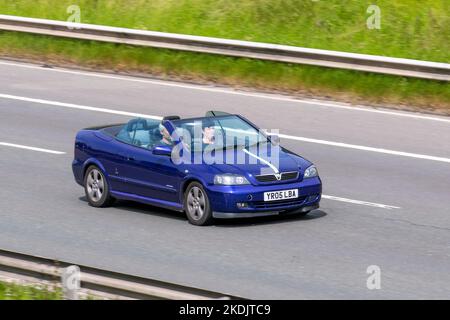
x=126, y=157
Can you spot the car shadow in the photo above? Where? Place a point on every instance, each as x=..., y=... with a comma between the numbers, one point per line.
x=275, y=219
x=131, y=206
x=222, y=223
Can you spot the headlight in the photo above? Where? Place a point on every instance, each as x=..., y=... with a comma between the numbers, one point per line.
x=310, y=172
x=230, y=180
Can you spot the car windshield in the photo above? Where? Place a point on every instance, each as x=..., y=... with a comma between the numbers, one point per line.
x=218, y=133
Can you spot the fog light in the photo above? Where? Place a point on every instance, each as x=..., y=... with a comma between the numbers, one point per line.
x=242, y=205
x=313, y=198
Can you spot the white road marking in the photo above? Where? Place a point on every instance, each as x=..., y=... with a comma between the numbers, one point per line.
x=328, y=104
x=371, y=204
x=364, y=148
x=80, y=107
x=364, y=203
x=290, y=137
x=5, y=144
x=74, y=106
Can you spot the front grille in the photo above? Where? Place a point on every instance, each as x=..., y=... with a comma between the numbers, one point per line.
x=279, y=203
x=272, y=177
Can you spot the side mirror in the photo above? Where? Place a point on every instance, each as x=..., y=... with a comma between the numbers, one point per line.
x=162, y=151
x=275, y=139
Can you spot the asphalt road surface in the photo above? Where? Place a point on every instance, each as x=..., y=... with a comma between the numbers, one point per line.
x=386, y=178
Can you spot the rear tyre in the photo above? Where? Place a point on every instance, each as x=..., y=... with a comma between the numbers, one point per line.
x=96, y=188
x=197, y=206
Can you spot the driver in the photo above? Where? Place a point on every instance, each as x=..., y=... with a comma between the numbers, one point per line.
x=208, y=132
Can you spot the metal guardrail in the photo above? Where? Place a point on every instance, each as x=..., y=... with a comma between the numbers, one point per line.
x=99, y=282
x=236, y=48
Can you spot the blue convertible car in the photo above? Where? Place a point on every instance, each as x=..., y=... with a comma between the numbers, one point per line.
x=217, y=166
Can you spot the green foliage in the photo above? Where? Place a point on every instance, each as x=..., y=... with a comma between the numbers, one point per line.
x=10, y=291
x=409, y=29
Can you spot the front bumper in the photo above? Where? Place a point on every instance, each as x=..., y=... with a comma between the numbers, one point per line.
x=232, y=215
x=224, y=199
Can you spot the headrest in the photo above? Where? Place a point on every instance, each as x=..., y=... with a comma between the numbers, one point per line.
x=171, y=118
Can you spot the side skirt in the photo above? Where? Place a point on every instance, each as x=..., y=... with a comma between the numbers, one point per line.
x=155, y=202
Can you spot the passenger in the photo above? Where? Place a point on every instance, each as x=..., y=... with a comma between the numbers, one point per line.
x=166, y=138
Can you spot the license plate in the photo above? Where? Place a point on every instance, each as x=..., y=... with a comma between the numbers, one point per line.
x=281, y=195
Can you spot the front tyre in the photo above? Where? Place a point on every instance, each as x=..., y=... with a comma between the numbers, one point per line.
x=96, y=188
x=197, y=206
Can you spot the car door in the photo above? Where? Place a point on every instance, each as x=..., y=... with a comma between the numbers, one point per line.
x=152, y=176
x=135, y=170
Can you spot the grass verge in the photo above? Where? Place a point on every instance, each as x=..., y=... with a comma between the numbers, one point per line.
x=408, y=28
x=305, y=81
x=10, y=291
